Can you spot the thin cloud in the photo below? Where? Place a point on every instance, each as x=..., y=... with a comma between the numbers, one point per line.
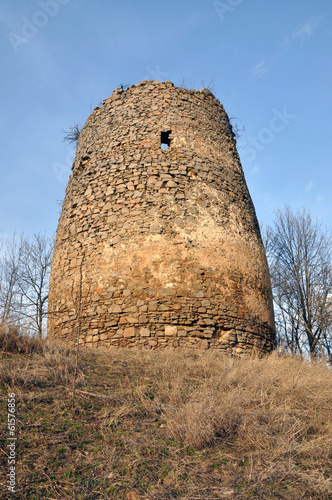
x=259, y=70
x=320, y=198
x=298, y=36
x=308, y=186
x=305, y=31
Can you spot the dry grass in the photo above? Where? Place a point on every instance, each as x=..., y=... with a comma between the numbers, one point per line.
x=55, y=365
x=14, y=340
x=171, y=424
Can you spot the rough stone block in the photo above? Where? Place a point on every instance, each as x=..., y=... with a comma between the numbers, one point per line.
x=145, y=332
x=115, y=309
x=197, y=333
x=118, y=334
x=132, y=319
x=152, y=306
x=167, y=291
x=129, y=332
x=171, y=330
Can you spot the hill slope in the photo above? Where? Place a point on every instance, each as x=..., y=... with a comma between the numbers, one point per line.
x=167, y=425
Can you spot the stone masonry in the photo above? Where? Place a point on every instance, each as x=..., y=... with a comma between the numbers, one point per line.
x=158, y=243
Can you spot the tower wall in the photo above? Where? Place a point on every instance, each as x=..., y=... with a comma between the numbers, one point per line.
x=160, y=247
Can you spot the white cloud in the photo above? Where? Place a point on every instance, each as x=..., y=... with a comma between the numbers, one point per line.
x=303, y=32
x=319, y=198
x=259, y=70
x=309, y=186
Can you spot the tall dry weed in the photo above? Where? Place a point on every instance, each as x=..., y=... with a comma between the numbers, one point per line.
x=50, y=365
x=279, y=394
x=274, y=411
x=15, y=340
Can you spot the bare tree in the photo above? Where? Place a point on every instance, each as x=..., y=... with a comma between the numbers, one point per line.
x=24, y=274
x=300, y=258
x=34, y=270
x=9, y=290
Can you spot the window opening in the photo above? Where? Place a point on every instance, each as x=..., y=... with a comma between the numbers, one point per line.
x=165, y=141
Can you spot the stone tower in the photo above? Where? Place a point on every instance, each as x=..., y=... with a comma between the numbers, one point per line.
x=158, y=243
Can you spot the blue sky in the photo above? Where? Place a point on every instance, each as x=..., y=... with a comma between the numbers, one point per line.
x=270, y=64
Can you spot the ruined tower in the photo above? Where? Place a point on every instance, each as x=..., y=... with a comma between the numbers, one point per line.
x=158, y=243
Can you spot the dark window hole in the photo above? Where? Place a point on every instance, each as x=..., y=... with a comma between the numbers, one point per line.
x=165, y=140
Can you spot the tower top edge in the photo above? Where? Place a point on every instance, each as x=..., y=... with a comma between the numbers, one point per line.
x=156, y=85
